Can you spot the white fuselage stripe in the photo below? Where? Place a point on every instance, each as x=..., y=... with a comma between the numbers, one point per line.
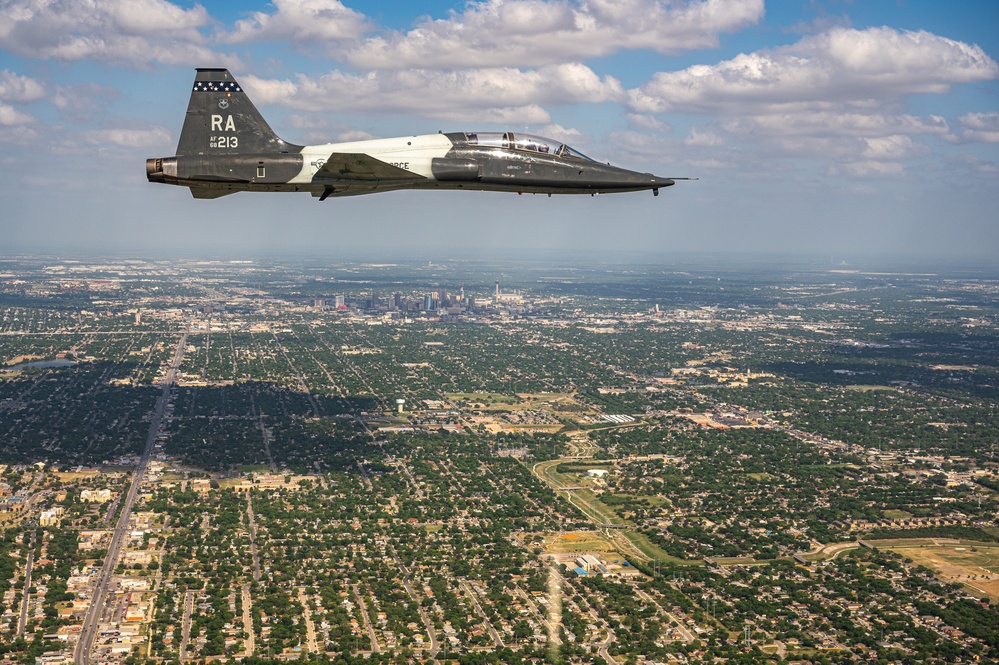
x=412, y=153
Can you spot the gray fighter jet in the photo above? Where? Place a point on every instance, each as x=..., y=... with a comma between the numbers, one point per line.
x=226, y=146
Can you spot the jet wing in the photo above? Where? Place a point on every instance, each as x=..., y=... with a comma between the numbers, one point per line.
x=358, y=166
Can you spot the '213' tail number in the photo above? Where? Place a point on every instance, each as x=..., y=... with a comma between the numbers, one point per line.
x=223, y=142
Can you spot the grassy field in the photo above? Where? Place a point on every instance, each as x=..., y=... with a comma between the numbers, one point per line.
x=897, y=514
x=629, y=501
x=69, y=477
x=867, y=389
x=253, y=468
x=519, y=402
x=975, y=565
x=485, y=400
x=533, y=428
x=650, y=551
x=579, y=542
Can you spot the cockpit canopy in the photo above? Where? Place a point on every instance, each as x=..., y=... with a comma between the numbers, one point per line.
x=526, y=142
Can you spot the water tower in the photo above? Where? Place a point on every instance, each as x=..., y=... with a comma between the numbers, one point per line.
x=400, y=402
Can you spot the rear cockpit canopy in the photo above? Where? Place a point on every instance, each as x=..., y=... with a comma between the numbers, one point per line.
x=525, y=142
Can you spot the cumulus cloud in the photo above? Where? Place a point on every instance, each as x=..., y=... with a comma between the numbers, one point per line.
x=845, y=123
x=129, y=138
x=867, y=168
x=119, y=31
x=631, y=147
x=10, y=116
x=561, y=133
x=499, y=95
x=842, y=66
x=835, y=95
x=706, y=139
x=529, y=33
x=981, y=166
x=896, y=146
x=650, y=122
x=980, y=127
x=354, y=135
x=302, y=21
x=21, y=89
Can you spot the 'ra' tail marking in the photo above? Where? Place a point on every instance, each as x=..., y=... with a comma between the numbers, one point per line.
x=221, y=120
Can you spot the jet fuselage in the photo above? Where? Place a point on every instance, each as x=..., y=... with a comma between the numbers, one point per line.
x=227, y=147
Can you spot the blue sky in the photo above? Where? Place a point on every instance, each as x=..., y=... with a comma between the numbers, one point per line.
x=832, y=128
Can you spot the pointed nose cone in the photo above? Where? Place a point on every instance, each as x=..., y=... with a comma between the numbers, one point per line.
x=648, y=180
x=615, y=179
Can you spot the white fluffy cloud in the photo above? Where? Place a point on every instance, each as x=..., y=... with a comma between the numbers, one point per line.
x=18, y=90
x=129, y=138
x=696, y=138
x=529, y=33
x=867, y=169
x=835, y=95
x=119, y=31
x=862, y=68
x=980, y=127
x=21, y=89
x=302, y=21
x=832, y=123
x=648, y=122
x=11, y=116
x=500, y=95
x=892, y=147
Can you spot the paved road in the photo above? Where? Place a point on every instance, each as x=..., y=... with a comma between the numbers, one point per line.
x=686, y=634
x=364, y=615
x=89, y=630
x=485, y=619
x=427, y=623
x=265, y=435
x=26, y=596
x=248, y=619
x=253, y=537
x=185, y=639
x=310, y=627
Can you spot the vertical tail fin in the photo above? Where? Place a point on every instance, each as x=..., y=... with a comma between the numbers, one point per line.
x=221, y=120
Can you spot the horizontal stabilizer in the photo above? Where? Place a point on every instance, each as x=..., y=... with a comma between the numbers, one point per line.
x=358, y=166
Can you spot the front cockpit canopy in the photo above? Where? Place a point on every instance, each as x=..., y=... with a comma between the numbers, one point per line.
x=525, y=142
